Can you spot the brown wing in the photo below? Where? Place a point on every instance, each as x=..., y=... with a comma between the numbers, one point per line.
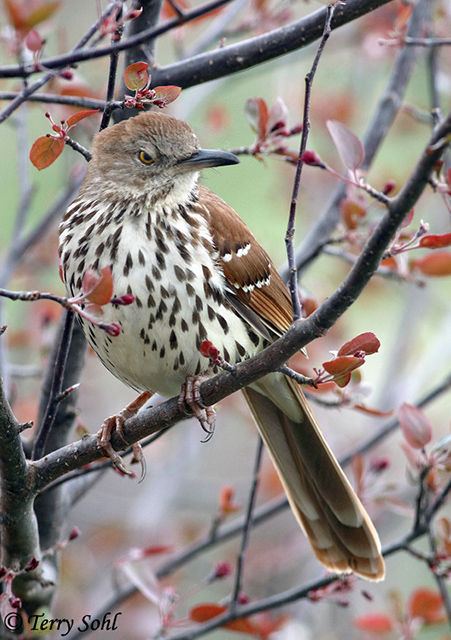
x=256, y=290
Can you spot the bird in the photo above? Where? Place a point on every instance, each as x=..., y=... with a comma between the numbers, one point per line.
x=197, y=274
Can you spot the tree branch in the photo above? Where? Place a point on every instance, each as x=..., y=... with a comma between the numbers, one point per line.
x=289, y=237
x=245, y=55
x=18, y=525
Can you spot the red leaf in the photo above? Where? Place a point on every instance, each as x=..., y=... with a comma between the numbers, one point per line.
x=343, y=364
x=366, y=342
x=98, y=289
x=374, y=622
x=243, y=625
x=389, y=263
x=25, y=15
x=204, y=612
x=403, y=14
x=347, y=144
x=227, y=502
x=351, y=210
x=426, y=604
x=45, y=151
x=309, y=305
x=167, y=94
x=156, y=549
x=341, y=367
x=256, y=111
x=343, y=380
x=168, y=11
x=207, y=611
x=33, y=41
x=415, y=425
x=80, y=115
x=434, y=264
x=436, y=242
x=136, y=76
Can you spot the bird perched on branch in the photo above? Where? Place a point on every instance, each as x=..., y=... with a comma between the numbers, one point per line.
x=198, y=274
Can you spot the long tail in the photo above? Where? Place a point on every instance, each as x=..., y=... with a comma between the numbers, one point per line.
x=339, y=529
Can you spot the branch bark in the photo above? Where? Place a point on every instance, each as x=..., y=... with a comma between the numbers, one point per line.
x=18, y=525
x=249, y=53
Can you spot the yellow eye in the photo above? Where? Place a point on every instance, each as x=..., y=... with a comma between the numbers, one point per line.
x=145, y=157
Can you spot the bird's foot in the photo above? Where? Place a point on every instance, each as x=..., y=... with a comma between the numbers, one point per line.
x=190, y=397
x=116, y=423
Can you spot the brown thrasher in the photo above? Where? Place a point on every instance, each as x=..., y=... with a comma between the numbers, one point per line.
x=198, y=273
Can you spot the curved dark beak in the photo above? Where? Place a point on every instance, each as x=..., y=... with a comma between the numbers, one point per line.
x=204, y=158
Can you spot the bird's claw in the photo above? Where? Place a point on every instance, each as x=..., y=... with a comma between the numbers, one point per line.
x=104, y=442
x=190, y=397
x=116, y=423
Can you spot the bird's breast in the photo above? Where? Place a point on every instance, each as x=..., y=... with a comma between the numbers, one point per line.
x=170, y=266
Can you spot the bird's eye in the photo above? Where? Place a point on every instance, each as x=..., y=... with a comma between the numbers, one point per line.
x=145, y=157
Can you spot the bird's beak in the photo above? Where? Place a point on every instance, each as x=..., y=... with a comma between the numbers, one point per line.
x=204, y=158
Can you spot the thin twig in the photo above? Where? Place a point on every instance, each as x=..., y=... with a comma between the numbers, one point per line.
x=76, y=146
x=421, y=497
x=114, y=59
x=440, y=580
x=294, y=375
x=57, y=385
x=72, y=101
x=439, y=502
x=247, y=526
x=418, y=42
x=293, y=285
x=33, y=296
x=383, y=272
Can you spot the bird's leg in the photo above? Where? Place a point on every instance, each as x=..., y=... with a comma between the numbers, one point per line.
x=116, y=422
x=190, y=396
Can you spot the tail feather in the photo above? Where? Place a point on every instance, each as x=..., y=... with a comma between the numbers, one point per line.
x=340, y=531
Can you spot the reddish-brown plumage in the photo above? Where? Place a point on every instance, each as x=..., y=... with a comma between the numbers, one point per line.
x=253, y=276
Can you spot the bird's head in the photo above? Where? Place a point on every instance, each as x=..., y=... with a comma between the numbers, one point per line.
x=151, y=153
